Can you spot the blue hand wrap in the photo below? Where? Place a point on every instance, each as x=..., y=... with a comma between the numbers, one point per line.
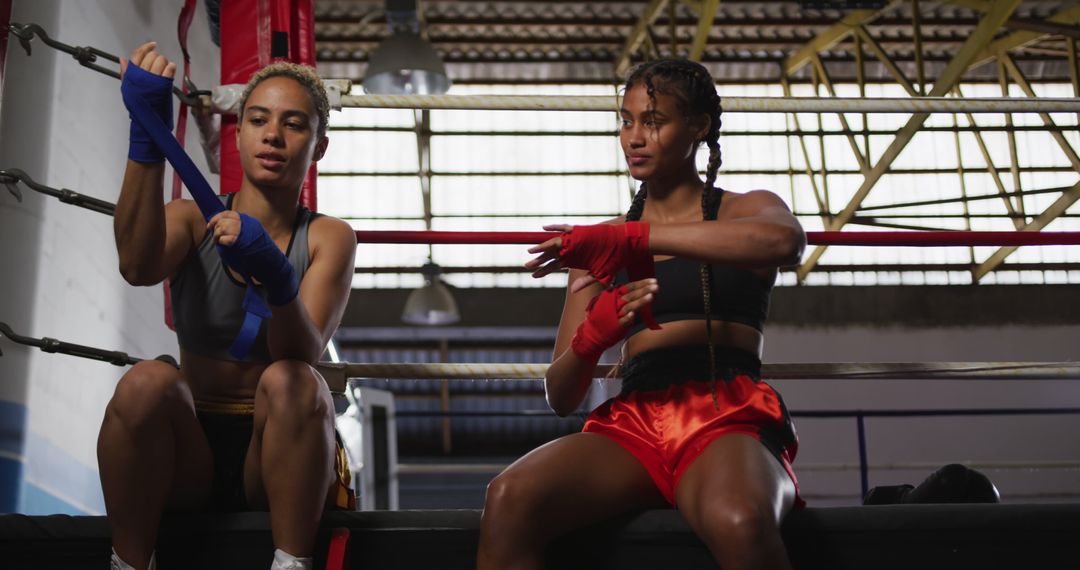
x=256, y=255
x=255, y=310
x=156, y=91
x=160, y=132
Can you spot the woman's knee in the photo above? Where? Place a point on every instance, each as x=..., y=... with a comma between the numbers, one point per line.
x=738, y=523
x=511, y=496
x=150, y=389
x=294, y=386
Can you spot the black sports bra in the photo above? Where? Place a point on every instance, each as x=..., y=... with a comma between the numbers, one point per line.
x=738, y=295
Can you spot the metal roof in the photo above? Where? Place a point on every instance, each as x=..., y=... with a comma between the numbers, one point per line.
x=565, y=41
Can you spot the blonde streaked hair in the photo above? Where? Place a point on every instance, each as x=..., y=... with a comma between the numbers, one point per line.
x=301, y=74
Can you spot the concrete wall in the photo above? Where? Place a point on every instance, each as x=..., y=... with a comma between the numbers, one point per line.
x=66, y=126
x=925, y=443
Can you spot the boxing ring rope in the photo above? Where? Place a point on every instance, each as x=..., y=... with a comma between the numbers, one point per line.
x=52, y=346
x=895, y=238
x=483, y=468
x=336, y=374
x=88, y=57
x=731, y=104
x=10, y=176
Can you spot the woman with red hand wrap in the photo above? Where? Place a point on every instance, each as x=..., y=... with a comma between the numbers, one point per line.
x=694, y=426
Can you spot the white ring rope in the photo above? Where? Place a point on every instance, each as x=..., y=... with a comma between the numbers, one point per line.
x=731, y=104
x=481, y=468
x=337, y=374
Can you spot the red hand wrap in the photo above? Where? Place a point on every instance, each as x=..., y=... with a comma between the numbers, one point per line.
x=601, y=329
x=604, y=249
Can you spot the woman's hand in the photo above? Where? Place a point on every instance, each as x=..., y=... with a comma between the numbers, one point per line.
x=609, y=314
x=600, y=249
x=145, y=57
x=548, y=261
x=638, y=294
x=147, y=86
x=225, y=227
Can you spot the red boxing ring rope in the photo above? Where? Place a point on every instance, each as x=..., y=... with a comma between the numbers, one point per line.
x=902, y=239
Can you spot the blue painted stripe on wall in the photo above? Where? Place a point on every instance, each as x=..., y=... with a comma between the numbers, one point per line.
x=12, y=430
x=38, y=501
x=12, y=427
x=50, y=468
x=10, y=479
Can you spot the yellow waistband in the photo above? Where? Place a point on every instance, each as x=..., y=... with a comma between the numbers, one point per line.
x=230, y=408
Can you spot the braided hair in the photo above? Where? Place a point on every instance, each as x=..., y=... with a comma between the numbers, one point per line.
x=694, y=91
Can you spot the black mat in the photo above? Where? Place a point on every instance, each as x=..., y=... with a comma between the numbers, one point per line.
x=879, y=537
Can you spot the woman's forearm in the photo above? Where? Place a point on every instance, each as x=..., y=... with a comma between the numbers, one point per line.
x=292, y=335
x=748, y=242
x=139, y=223
x=567, y=381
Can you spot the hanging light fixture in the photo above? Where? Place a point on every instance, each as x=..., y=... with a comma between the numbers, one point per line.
x=431, y=304
x=405, y=63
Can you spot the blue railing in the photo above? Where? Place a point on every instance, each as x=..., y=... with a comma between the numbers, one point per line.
x=859, y=415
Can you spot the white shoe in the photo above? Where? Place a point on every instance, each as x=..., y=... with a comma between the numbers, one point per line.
x=285, y=561
x=115, y=563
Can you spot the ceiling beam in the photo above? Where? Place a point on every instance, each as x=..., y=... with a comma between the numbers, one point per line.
x=637, y=35
x=822, y=210
x=1058, y=25
x=823, y=74
x=977, y=5
x=885, y=60
x=830, y=37
x=1016, y=40
x=992, y=169
x=1067, y=199
x=1022, y=81
x=980, y=37
x=706, y=15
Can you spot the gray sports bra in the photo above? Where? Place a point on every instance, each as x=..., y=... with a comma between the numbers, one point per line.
x=207, y=301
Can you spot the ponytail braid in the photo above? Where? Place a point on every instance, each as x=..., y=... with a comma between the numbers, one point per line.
x=695, y=91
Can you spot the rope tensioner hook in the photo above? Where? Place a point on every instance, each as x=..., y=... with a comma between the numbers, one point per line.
x=87, y=56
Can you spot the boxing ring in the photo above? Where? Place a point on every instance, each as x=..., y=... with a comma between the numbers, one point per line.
x=885, y=536
x=892, y=536
x=888, y=537
x=882, y=536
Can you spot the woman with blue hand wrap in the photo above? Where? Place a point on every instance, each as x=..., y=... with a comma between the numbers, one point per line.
x=228, y=433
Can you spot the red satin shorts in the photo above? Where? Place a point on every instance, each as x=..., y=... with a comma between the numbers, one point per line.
x=667, y=429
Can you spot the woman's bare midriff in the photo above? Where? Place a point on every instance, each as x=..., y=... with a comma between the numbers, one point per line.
x=678, y=333
x=216, y=380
